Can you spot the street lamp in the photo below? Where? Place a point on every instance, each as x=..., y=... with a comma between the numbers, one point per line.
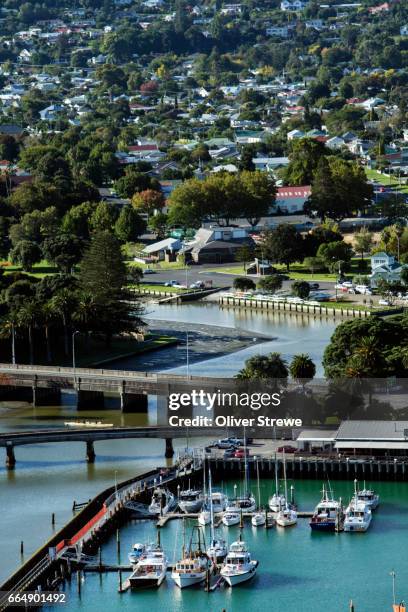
x=74, y=333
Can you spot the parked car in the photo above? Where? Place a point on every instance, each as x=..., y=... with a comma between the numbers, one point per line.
x=347, y=284
x=314, y=286
x=149, y=271
x=384, y=303
x=197, y=285
x=287, y=448
x=229, y=453
x=172, y=283
x=240, y=453
x=225, y=443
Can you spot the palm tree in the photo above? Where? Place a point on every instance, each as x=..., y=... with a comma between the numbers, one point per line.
x=8, y=326
x=63, y=304
x=302, y=369
x=86, y=312
x=367, y=361
x=47, y=316
x=270, y=366
x=28, y=316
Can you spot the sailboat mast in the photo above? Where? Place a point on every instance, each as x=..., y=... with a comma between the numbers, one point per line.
x=276, y=476
x=245, y=467
x=211, y=507
x=259, y=488
x=284, y=476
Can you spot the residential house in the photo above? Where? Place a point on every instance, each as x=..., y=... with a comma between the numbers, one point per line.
x=216, y=244
x=292, y=199
x=384, y=267
x=293, y=5
x=52, y=112
x=270, y=163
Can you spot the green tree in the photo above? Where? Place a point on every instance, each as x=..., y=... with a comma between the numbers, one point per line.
x=302, y=369
x=283, y=245
x=243, y=284
x=301, y=289
x=28, y=317
x=103, y=274
x=148, y=201
x=129, y=225
x=244, y=254
x=248, y=152
x=63, y=250
x=26, y=254
x=103, y=217
x=270, y=366
x=270, y=283
x=304, y=158
x=63, y=304
x=334, y=252
x=158, y=224
x=363, y=242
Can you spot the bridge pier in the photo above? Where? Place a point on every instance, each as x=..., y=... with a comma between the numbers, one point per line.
x=10, y=457
x=169, y=452
x=90, y=400
x=44, y=396
x=133, y=402
x=90, y=451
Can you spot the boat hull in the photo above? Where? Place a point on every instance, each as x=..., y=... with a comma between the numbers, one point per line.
x=323, y=526
x=239, y=577
x=146, y=583
x=191, y=507
x=186, y=580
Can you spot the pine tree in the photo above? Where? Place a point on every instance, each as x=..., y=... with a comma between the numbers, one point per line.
x=129, y=225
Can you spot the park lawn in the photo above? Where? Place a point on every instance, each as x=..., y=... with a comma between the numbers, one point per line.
x=41, y=269
x=163, y=265
x=385, y=180
x=160, y=288
x=342, y=305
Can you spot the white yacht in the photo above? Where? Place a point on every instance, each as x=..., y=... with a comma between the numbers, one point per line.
x=217, y=551
x=358, y=514
x=238, y=566
x=219, y=502
x=277, y=501
x=231, y=516
x=259, y=518
x=192, y=568
x=286, y=516
x=369, y=497
x=204, y=517
x=191, y=501
x=163, y=501
x=150, y=570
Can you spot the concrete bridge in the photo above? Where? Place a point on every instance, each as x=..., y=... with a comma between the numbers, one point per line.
x=42, y=385
x=91, y=435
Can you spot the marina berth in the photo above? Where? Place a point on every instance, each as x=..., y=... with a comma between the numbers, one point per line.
x=163, y=501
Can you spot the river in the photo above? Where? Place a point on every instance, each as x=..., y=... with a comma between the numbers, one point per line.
x=48, y=477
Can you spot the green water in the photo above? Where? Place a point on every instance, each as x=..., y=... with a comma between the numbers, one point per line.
x=299, y=571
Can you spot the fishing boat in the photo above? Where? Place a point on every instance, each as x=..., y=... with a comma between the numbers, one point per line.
x=357, y=515
x=370, y=497
x=194, y=565
x=259, y=518
x=286, y=516
x=277, y=501
x=328, y=514
x=245, y=502
x=150, y=570
x=238, y=566
x=217, y=551
x=137, y=551
x=191, y=501
x=163, y=501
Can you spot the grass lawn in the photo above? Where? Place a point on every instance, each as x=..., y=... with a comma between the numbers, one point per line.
x=163, y=265
x=342, y=305
x=160, y=288
x=385, y=180
x=41, y=269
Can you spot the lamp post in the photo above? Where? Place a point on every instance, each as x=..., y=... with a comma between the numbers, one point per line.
x=74, y=333
x=392, y=574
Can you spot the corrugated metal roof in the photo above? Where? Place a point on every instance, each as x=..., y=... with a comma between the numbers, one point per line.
x=375, y=445
x=317, y=435
x=372, y=430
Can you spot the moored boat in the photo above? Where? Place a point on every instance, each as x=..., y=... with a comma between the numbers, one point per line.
x=238, y=566
x=328, y=514
x=150, y=570
x=194, y=565
x=369, y=497
x=357, y=515
x=163, y=501
x=191, y=501
x=287, y=516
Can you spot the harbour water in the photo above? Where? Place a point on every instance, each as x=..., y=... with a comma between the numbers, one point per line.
x=49, y=477
x=299, y=571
